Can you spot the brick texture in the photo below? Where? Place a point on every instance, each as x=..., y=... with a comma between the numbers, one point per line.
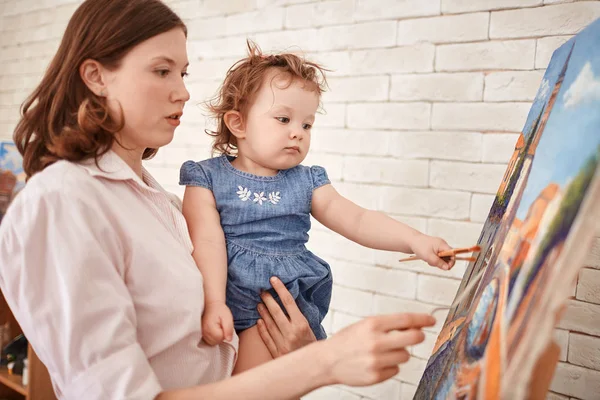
x=426, y=99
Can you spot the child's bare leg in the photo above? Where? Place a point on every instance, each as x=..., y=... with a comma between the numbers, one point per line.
x=252, y=351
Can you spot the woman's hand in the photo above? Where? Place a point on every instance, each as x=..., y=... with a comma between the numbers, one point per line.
x=427, y=248
x=280, y=333
x=369, y=351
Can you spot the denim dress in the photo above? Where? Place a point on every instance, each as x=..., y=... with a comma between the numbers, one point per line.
x=266, y=220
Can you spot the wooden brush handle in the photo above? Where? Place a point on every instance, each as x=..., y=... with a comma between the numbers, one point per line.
x=447, y=253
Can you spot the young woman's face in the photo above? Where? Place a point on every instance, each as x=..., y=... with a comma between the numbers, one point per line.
x=148, y=90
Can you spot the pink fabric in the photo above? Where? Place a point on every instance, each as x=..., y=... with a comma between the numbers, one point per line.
x=96, y=265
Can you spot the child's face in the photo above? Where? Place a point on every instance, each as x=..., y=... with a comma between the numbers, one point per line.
x=278, y=123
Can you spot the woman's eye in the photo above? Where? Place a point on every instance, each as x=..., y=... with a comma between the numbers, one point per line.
x=184, y=74
x=306, y=126
x=283, y=120
x=163, y=72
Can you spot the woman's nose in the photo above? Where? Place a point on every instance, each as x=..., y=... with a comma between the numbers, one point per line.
x=180, y=93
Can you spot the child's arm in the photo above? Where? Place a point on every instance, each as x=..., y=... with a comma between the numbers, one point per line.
x=372, y=228
x=210, y=253
x=369, y=228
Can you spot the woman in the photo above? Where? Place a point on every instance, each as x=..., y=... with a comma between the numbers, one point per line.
x=95, y=257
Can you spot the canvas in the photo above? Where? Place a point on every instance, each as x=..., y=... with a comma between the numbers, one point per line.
x=12, y=176
x=533, y=242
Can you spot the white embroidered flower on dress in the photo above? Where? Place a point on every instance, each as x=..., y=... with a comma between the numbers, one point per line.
x=244, y=193
x=259, y=197
x=274, y=197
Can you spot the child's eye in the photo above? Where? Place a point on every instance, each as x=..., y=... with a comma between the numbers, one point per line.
x=306, y=126
x=283, y=120
x=163, y=72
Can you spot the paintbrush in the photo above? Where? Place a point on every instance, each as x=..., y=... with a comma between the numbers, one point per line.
x=447, y=254
x=450, y=253
x=464, y=293
x=460, y=258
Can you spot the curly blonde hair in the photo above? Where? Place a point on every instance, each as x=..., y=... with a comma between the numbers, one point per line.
x=242, y=82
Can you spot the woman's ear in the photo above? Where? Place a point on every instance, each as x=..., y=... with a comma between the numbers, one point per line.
x=91, y=74
x=235, y=122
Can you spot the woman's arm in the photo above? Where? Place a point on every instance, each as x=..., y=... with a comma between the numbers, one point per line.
x=285, y=378
x=362, y=354
x=204, y=224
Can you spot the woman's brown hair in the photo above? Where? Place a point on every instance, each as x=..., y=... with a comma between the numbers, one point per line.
x=62, y=119
x=244, y=79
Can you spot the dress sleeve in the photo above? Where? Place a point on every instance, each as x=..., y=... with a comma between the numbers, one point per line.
x=62, y=268
x=319, y=176
x=193, y=174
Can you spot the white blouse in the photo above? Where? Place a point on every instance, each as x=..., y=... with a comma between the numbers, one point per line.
x=96, y=266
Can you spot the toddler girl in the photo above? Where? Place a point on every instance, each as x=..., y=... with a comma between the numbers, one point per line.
x=248, y=210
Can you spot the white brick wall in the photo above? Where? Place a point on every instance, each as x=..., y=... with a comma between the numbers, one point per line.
x=427, y=98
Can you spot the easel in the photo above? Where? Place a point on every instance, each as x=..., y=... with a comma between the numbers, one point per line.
x=544, y=372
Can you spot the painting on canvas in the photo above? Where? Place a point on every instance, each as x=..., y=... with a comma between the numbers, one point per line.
x=12, y=176
x=533, y=241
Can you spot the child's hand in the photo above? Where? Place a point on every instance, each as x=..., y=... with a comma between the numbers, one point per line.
x=427, y=248
x=217, y=323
